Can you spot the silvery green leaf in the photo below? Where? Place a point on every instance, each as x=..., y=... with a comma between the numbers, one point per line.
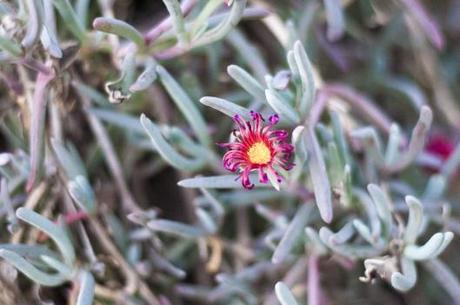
x=226, y=107
x=120, y=28
x=168, y=153
x=87, y=289
x=363, y=230
x=214, y=203
x=347, y=195
x=335, y=19
x=382, y=205
x=247, y=82
x=233, y=285
x=271, y=239
x=343, y=235
x=199, y=31
x=57, y=234
x=178, y=137
x=318, y=175
x=340, y=138
x=417, y=141
x=50, y=43
x=202, y=20
x=80, y=190
x=30, y=271
x=225, y=26
x=175, y=228
x=34, y=23
x=249, y=52
x=178, y=23
x=274, y=180
x=5, y=199
x=90, y=93
x=281, y=106
x=371, y=142
x=163, y=264
x=325, y=234
x=394, y=141
x=82, y=8
x=134, y=253
x=28, y=251
x=243, y=197
x=248, y=274
x=284, y=295
x=69, y=159
x=185, y=105
x=415, y=220
x=37, y=127
x=435, y=188
x=55, y=264
x=435, y=245
x=306, y=76
x=315, y=241
x=292, y=234
x=281, y=80
x=117, y=230
x=217, y=182
x=147, y=77
x=292, y=64
x=405, y=280
x=141, y=217
x=71, y=21
x=371, y=212
x=279, y=220
x=118, y=89
x=347, y=250
x=324, y=133
x=120, y=119
x=298, y=141
x=335, y=165
x=206, y=221
x=292, y=33
x=10, y=46
x=448, y=236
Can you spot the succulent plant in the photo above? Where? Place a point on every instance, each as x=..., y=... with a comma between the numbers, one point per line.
x=229, y=152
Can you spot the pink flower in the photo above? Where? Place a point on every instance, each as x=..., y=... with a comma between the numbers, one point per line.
x=257, y=148
x=441, y=146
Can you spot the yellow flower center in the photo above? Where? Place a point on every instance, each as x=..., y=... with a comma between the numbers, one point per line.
x=259, y=153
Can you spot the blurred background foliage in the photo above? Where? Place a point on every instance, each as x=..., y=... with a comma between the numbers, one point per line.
x=73, y=150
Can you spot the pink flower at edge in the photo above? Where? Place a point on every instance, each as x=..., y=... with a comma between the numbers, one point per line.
x=441, y=146
x=257, y=148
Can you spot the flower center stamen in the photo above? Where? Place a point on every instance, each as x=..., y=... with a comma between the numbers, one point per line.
x=259, y=153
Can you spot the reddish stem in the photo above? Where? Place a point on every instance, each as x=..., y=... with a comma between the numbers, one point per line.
x=165, y=24
x=313, y=284
x=37, y=126
x=72, y=217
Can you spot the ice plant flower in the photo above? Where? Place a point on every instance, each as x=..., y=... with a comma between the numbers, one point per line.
x=257, y=147
x=441, y=146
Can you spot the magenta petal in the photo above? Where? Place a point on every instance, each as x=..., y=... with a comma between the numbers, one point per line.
x=274, y=119
x=237, y=158
x=245, y=179
x=263, y=178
